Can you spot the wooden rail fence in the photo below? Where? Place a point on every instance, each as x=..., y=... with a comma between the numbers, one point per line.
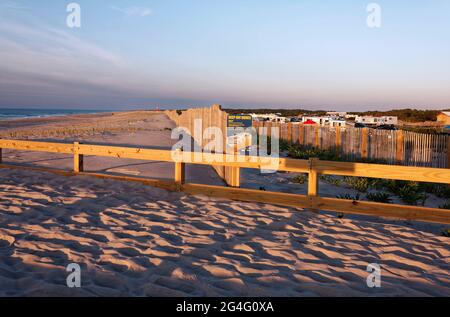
x=392, y=147
x=213, y=116
x=313, y=167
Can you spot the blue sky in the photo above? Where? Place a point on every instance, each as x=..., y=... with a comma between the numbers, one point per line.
x=248, y=53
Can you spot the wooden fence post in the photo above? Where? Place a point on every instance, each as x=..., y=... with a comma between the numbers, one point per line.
x=364, y=143
x=448, y=151
x=301, y=135
x=236, y=177
x=77, y=158
x=235, y=171
x=400, y=140
x=313, y=182
x=180, y=171
x=289, y=132
x=338, y=138
x=317, y=136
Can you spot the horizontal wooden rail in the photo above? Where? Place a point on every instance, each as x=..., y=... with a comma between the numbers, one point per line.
x=313, y=167
x=406, y=173
x=242, y=161
x=64, y=148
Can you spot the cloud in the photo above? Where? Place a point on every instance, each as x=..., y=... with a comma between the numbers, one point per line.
x=40, y=58
x=133, y=11
x=12, y=5
x=42, y=65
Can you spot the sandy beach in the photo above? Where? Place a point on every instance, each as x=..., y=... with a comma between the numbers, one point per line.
x=135, y=240
x=136, y=128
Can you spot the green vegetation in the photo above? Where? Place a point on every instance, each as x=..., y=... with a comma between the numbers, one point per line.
x=446, y=205
x=303, y=152
x=333, y=180
x=407, y=115
x=425, y=130
x=349, y=197
x=306, y=152
x=412, y=194
x=379, y=197
x=300, y=179
x=360, y=184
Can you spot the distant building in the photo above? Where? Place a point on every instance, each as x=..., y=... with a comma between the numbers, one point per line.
x=272, y=117
x=309, y=121
x=444, y=117
x=336, y=114
x=337, y=123
x=317, y=120
x=371, y=120
x=263, y=117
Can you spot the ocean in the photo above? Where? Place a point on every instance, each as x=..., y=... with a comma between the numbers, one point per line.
x=10, y=114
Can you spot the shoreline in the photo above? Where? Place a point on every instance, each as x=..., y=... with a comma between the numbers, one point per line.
x=44, y=113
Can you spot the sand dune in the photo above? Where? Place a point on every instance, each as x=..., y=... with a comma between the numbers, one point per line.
x=134, y=240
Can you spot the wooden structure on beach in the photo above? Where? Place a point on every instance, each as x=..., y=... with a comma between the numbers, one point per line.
x=352, y=144
x=313, y=167
x=210, y=117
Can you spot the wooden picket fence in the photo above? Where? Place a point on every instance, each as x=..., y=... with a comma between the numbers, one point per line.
x=354, y=144
x=313, y=167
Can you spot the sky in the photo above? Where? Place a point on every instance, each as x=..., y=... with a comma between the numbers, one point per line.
x=305, y=54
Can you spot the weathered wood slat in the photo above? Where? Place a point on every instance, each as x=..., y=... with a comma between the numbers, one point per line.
x=63, y=148
x=291, y=200
x=384, y=210
x=407, y=173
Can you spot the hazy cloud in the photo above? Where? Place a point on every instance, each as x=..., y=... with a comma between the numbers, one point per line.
x=13, y=5
x=41, y=65
x=133, y=11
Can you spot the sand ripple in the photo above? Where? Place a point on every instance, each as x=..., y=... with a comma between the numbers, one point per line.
x=133, y=240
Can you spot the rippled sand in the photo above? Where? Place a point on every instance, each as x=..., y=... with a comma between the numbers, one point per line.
x=134, y=240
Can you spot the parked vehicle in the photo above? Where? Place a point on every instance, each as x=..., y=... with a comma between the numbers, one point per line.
x=387, y=127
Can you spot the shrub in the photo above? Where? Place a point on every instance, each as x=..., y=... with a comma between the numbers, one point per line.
x=412, y=194
x=300, y=179
x=331, y=180
x=349, y=197
x=440, y=190
x=446, y=205
x=379, y=197
x=392, y=186
x=361, y=184
x=306, y=152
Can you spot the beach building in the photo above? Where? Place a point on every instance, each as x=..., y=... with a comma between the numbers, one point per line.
x=317, y=120
x=337, y=122
x=271, y=117
x=336, y=114
x=371, y=120
x=444, y=117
